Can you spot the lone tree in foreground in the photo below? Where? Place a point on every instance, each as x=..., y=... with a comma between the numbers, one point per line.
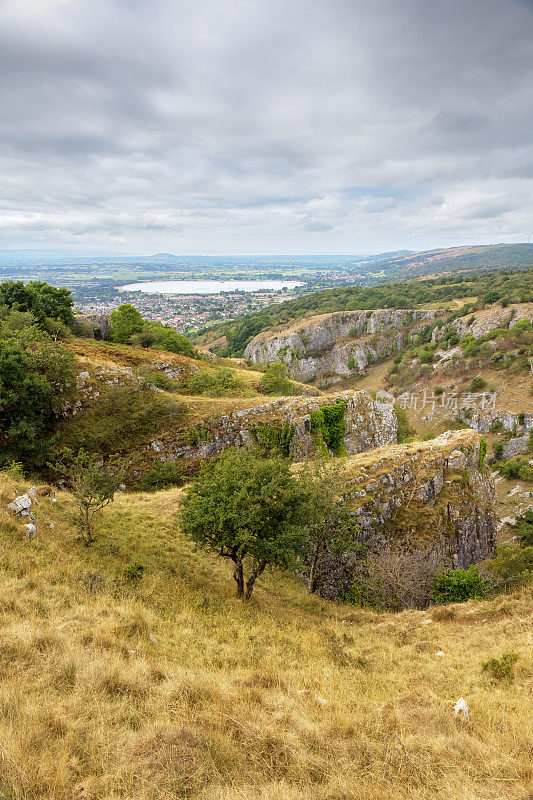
x=92, y=483
x=249, y=509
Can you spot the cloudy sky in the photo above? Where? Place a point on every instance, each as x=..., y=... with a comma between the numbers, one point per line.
x=265, y=126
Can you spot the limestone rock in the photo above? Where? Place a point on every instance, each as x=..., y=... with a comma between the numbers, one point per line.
x=20, y=504
x=367, y=426
x=425, y=500
x=331, y=343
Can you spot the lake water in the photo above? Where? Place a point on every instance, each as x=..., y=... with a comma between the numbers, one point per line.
x=206, y=287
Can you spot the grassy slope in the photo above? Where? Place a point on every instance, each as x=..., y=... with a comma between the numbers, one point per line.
x=226, y=705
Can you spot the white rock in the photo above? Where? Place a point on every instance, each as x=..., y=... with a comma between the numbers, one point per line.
x=461, y=707
x=439, y=653
x=20, y=503
x=31, y=530
x=153, y=639
x=322, y=700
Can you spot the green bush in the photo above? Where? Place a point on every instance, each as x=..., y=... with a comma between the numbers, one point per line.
x=501, y=669
x=134, y=572
x=478, y=383
x=459, y=585
x=483, y=445
x=37, y=377
x=161, y=476
x=162, y=381
x=328, y=422
x=498, y=451
x=272, y=440
x=275, y=381
x=524, y=529
x=510, y=566
x=220, y=382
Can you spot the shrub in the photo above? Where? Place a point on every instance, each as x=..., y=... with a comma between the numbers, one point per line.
x=162, y=381
x=37, y=376
x=275, y=381
x=458, y=585
x=439, y=390
x=273, y=440
x=328, y=422
x=498, y=451
x=134, y=572
x=510, y=566
x=501, y=669
x=483, y=445
x=161, y=476
x=220, y=382
x=478, y=383
x=524, y=529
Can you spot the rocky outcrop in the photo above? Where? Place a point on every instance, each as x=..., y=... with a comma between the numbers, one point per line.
x=482, y=322
x=429, y=499
x=496, y=420
x=96, y=326
x=367, y=426
x=330, y=342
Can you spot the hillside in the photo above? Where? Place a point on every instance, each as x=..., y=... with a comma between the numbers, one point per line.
x=129, y=668
x=168, y=687
x=231, y=338
x=449, y=261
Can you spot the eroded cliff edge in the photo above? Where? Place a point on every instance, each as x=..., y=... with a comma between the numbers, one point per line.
x=429, y=499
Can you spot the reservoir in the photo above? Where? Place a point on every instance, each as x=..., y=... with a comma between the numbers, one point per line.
x=207, y=287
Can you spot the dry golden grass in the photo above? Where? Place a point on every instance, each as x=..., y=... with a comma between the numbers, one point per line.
x=228, y=702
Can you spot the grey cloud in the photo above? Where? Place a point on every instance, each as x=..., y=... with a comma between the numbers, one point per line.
x=254, y=126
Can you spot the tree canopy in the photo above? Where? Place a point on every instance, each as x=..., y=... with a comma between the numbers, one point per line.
x=39, y=298
x=251, y=510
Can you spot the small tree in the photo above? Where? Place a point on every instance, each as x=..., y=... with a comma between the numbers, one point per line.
x=249, y=509
x=125, y=322
x=93, y=484
x=275, y=381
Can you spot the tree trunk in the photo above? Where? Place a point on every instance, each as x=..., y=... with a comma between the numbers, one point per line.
x=88, y=538
x=238, y=576
x=252, y=579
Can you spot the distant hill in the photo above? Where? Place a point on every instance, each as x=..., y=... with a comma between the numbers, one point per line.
x=450, y=260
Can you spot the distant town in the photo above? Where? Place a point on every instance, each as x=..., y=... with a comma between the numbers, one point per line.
x=188, y=312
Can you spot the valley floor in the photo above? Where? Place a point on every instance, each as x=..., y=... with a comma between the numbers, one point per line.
x=168, y=687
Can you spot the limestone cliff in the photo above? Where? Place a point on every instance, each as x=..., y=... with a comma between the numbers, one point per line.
x=482, y=322
x=426, y=498
x=366, y=426
x=332, y=343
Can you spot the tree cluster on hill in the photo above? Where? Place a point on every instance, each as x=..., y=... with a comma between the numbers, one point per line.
x=504, y=287
x=37, y=376
x=129, y=327
x=50, y=308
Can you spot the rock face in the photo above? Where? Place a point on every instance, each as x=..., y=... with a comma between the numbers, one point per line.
x=426, y=498
x=367, y=426
x=482, y=322
x=329, y=342
x=485, y=421
x=99, y=325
